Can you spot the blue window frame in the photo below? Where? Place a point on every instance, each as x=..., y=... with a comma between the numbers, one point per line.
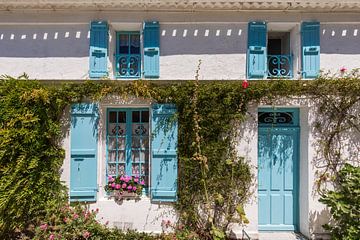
x=127, y=141
x=128, y=55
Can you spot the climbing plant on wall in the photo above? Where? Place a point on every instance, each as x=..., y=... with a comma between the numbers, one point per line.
x=214, y=182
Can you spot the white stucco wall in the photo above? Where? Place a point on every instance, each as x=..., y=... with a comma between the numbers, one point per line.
x=54, y=45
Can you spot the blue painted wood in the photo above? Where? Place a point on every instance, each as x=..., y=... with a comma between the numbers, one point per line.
x=151, y=49
x=164, y=165
x=98, y=49
x=310, y=44
x=278, y=163
x=256, y=56
x=83, y=152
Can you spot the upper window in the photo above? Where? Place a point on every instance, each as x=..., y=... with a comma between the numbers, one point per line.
x=128, y=143
x=128, y=55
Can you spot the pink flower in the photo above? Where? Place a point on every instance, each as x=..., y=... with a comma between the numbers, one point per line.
x=134, y=189
x=136, y=180
x=43, y=226
x=245, y=84
x=129, y=187
x=86, y=234
x=127, y=179
x=124, y=185
x=343, y=69
x=142, y=182
x=51, y=237
x=117, y=186
x=66, y=219
x=113, y=185
x=122, y=178
x=111, y=179
x=75, y=216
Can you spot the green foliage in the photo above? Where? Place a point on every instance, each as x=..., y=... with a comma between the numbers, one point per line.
x=213, y=182
x=344, y=203
x=30, y=158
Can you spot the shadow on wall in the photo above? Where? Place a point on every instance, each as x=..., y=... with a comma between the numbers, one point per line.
x=44, y=41
x=316, y=220
x=340, y=39
x=198, y=39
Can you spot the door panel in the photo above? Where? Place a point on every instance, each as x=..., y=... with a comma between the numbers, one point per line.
x=278, y=157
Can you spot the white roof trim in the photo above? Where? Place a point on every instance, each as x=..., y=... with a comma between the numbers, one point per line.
x=184, y=5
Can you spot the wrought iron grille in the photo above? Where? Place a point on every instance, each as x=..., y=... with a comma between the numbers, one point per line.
x=280, y=66
x=128, y=65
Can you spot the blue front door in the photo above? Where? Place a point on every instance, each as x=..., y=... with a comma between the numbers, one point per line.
x=278, y=162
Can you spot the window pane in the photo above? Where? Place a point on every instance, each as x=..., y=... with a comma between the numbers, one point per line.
x=121, y=156
x=121, y=143
x=112, y=143
x=122, y=117
x=124, y=44
x=112, y=169
x=112, y=117
x=144, y=116
x=135, y=116
x=121, y=169
x=135, y=156
x=135, y=44
x=112, y=157
x=135, y=169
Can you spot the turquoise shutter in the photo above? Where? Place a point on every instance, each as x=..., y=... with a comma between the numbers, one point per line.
x=151, y=49
x=310, y=41
x=98, y=49
x=83, y=144
x=164, y=153
x=256, y=57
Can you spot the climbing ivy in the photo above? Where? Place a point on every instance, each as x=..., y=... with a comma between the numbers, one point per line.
x=214, y=182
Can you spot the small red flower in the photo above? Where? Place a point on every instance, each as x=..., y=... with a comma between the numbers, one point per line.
x=245, y=84
x=342, y=69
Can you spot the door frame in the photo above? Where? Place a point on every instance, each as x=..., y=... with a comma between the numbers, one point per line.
x=295, y=125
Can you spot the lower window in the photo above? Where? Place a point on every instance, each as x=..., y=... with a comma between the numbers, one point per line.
x=127, y=141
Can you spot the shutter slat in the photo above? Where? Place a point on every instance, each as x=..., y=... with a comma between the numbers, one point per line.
x=83, y=152
x=256, y=57
x=151, y=49
x=98, y=49
x=164, y=161
x=310, y=41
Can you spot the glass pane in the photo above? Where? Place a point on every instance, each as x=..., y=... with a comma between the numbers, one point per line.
x=124, y=44
x=144, y=156
x=112, y=156
x=144, y=169
x=140, y=129
x=112, y=117
x=135, y=44
x=121, y=156
x=117, y=129
x=135, y=169
x=145, y=142
x=111, y=169
x=135, y=156
x=121, y=143
x=145, y=116
x=136, y=116
x=121, y=169
x=135, y=142
x=122, y=117
x=111, y=143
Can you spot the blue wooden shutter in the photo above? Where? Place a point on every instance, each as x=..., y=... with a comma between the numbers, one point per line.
x=256, y=57
x=83, y=165
x=98, y=49
x=151, y=49
x=164, y=153
x=310, y=41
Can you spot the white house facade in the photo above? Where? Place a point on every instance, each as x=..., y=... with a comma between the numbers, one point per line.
x=163, y=41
